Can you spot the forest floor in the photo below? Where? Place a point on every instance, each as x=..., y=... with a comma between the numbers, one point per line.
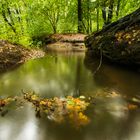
x=14, y=55
x=67, y=42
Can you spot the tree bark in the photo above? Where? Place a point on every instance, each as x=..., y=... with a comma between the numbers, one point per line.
x=118, y=41
x=104, y=15
x=97, y=15
x=7, y=21
x=110, y=11
x=80, y=27
x=118, y=8
x=88, y=16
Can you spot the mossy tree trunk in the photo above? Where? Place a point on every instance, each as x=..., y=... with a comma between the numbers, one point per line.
x=118, y=41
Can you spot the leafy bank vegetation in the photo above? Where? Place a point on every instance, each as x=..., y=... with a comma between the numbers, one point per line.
x=22, y=20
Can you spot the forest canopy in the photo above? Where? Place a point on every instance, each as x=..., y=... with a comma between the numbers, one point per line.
x=21, y=20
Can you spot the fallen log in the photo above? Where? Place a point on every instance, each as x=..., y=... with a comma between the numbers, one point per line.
x=119, y=41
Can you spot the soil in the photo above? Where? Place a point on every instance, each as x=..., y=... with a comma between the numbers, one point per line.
x=12, y=56
x=66, y=42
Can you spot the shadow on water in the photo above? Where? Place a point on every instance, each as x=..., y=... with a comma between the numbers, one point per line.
x=124, y=82
x=114, y=77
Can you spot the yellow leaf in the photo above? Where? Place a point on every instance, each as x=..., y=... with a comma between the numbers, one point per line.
x=132, y=106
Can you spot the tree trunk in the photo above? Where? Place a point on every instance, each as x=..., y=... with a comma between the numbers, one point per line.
x=118, y=8
x=88, y=17
x=110, y=12
x=97, y=15
x=104, y=15
x=7, y=21
x=119, y=41
x=80, y=27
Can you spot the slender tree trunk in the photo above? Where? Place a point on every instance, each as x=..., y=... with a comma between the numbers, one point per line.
x=118, y=8
x=104, y=14
x=10, y=15
x=110, y=12
x=54, y=29
x=90, y=25
x=77, y=78
x=7, y=15
x=97, y=15
x=80, y=16
x=7, y=21
x=88, y=17
x=18, y=12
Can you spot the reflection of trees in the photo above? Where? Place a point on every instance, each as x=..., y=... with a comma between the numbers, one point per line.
x=53, y=75
x=113, y=77
x=77, y=77
x=105, y=127
x=125, y=81
x=62, y=131
x=22, y=124
x=18, y=124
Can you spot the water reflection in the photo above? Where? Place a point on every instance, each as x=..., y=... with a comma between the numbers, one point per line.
x=22, y=124
x=29, y=131
x=61, y=75
x=18, y=125
x=50, y=76
x=113, y=77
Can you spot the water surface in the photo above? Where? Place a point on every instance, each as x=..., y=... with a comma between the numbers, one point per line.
x=67, y=74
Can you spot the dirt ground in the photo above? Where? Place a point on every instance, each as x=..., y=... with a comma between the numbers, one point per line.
x=67, y=42
x=14, y=55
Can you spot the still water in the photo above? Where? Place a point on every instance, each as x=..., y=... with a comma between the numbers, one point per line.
x=69, y=74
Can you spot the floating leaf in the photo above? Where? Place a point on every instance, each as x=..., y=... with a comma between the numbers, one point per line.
x=132, y=106
x=68, y=109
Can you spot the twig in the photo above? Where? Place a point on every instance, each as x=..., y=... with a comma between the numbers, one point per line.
x=101, y=58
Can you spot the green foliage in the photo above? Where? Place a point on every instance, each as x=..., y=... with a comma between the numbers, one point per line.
x=20, y=20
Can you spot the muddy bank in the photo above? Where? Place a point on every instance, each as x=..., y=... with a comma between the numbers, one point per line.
x=12, y=56
x=63, y=42
x=118, y=42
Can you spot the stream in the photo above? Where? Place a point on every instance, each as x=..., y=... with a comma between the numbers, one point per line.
x=67, y=74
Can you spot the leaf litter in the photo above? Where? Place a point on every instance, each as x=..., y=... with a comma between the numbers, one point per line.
x=63, y=109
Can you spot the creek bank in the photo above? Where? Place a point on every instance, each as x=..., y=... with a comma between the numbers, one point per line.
x=12, y=56
x=65, y=42
x=118, y=42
